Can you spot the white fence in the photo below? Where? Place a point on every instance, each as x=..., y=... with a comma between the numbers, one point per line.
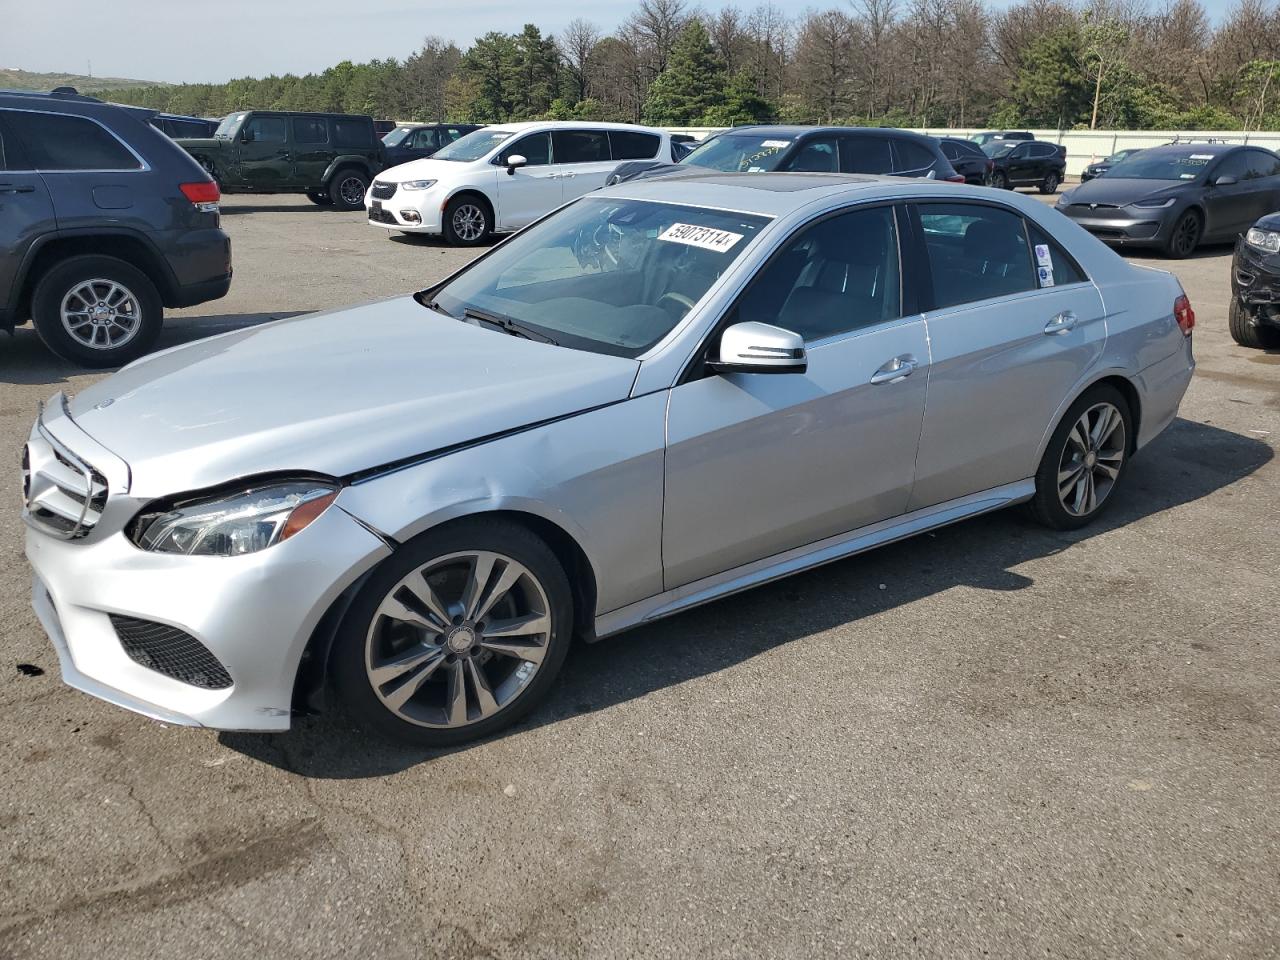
x=1086, y=146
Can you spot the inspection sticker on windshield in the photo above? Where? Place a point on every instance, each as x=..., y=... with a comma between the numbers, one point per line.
x=721, y=241
x=775, y=143
x=1202, y=156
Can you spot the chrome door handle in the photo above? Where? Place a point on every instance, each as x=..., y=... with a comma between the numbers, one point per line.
x=1062, y=323
x=568, y=176
x=899, y=368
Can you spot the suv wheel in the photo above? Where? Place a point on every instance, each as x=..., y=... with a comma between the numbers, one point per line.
x=97, y=311
x=455, y=636
x=466, y=221
x=1050, y=183
x=1247, y=333
x=347, y=189
x=1184, y=237
x=1000, y=180
x=320, y=199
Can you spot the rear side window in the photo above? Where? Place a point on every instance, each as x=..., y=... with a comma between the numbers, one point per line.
x=55, y=141
x=265, y=130
x=630, y=145
x=1043, y=150
x=975, y=252
x=350, y=132
x=1054, y=266
x=1263, y=165
x=580, y=146
x=865, y=155
x=310, y=130
x=912, y=156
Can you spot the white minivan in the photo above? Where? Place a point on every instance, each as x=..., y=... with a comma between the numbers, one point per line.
x=501, y=178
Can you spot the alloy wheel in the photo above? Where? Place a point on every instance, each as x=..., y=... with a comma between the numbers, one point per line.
x=458, y=639
x=1091, y=459
x=351, y=189
x=1186, y=235
x=101, y=314
x=468, y=222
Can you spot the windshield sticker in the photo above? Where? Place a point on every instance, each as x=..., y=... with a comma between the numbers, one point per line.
x=1186, y=176
x=779, y=144
x=708, y=238
x=1202, y=156
x=1046, y=276
x=755, y=169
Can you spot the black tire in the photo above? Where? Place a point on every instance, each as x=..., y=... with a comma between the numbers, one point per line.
x=1184, y=237
x=347, y=665
x=467, y=209
x=1047, y=505
x=1000, y=180
x=320, y=199
x=1050, y=183
x=344, y=187
x=1249, y=334
x=58, y=286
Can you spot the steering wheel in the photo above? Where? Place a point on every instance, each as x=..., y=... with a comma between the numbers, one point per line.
x=679, y=298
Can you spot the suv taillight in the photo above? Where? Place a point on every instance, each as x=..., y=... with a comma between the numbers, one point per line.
x=202, y=191
x=1185, y=316
x=954, y=178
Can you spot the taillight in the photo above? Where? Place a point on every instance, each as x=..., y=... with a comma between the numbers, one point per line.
x=991, y=164
x=1185, y=316
x=202, y=191
x=954, y=178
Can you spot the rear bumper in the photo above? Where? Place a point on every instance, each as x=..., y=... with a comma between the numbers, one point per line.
x=201, y=264
x=1160, y=388
x=203, y=292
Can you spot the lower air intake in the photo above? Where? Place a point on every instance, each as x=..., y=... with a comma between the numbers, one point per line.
x=168, y=650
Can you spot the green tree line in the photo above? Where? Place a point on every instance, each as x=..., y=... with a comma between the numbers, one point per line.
x=934, y=63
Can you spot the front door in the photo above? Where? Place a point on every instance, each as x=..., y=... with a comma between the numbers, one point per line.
x=262, y=154
x=26, y=210
x=527, y=192
x=759, y=464
x=1014, y=326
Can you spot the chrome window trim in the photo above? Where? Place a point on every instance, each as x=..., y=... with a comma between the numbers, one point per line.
x=143, y=168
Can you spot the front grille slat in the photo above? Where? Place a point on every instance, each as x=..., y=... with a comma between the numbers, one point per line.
x=63, y=494
x=383, y=190
x=168, y=650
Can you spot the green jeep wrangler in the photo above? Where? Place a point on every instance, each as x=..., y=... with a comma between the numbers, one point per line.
x=328, y=156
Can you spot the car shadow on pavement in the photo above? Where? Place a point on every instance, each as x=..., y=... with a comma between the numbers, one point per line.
x=1190, y=461
x=233, y=209
x=25, y=359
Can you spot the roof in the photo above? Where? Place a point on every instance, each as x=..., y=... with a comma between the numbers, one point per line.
x=796, y=130
x=768, y=194
x=1182, y=149
x=522, y=125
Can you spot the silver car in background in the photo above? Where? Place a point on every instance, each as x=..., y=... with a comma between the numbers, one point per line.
x=663, y=393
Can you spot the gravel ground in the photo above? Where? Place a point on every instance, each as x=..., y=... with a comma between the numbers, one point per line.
x=989, y=741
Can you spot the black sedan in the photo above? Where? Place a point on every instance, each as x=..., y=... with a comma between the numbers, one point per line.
x=413, y=141
x=1254, y=314
x=760, y=149
x=968, y=159
x=1027, y=163
x=1177, y=196
x=1102, y=166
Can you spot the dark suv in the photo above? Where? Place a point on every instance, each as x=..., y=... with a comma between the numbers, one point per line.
x=103, y=222
x=1026, y=163
x=330, y=157
x=417, y=141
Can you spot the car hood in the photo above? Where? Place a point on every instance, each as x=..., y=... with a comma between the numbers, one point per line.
x=1122, y=191
x=199, y=143
x=426, y=168
x=335, y=393
x=1270, y=222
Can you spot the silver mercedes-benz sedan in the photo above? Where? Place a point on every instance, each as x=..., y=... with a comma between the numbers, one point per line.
x=658, y=395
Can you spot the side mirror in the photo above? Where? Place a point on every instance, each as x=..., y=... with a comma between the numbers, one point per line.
x=246, y=136
x=759, y=348
x=514, y=161
x=1225, y=180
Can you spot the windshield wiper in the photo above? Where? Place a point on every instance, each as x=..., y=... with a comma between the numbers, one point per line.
x=507, y=325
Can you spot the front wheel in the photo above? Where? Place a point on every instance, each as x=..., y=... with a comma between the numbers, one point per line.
x=97, y=311
x=1247, y=333
x=1185, y=236
x=1000, y=180
x=1050, y=183
x=466, y=222
x=457, y=635
x=1084, y=460
x=320, y=199
x=347, y=189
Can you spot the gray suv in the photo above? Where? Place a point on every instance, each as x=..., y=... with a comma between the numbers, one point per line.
x=104, y=221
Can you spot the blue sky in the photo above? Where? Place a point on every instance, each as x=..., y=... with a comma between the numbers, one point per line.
x=182, y=40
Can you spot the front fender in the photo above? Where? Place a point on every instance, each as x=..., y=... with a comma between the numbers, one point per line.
x=349, y=160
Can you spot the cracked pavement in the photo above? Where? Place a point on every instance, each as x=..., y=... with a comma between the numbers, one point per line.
x=992, y=740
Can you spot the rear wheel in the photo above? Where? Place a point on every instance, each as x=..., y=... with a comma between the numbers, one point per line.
x=457, y=635
x=97, y=311
x=1050, y=183
x=1247, y=333
x=1084, y=460
x=1185, y=236
x=347, y=189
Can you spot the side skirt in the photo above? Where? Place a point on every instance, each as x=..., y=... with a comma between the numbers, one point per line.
x=811, y=555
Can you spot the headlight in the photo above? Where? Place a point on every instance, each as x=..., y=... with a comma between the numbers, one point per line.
x=1267, y=241
x=417, y=185
x=1155, y=202
x=1064, y=200
x=244, y=522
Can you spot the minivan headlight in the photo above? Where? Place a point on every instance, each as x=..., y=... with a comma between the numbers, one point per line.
x=243, y=522
x=1267, y=241
x=1156, y=202
x=417, y=184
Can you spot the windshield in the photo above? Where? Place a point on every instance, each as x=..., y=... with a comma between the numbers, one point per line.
x=1120, y=155
x=397, y=136
x=473, y=146
x=605, y=275
x=228, y=125
x=1161, y=166
x=999, y=148
x=739, y=153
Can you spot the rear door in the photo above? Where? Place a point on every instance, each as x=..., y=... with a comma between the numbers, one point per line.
x=1013, y=325
x=527, y=192
x=584, y=160
x=26, y=211
x=311, y=150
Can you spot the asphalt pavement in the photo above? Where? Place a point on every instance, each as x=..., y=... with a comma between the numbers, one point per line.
x=993, y=740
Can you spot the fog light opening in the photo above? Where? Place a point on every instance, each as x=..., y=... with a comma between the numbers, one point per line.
x=411, y=216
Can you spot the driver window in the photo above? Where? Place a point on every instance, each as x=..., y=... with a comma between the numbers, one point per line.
x=838, y=275
x=535, y=148
x=816, y=156
x=425, y=139
x=265, y=130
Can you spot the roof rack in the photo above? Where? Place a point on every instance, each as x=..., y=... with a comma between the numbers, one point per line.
x=62, y=93
x=1179, y=138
